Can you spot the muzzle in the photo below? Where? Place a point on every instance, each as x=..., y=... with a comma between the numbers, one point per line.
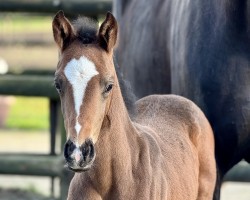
x=80, y=158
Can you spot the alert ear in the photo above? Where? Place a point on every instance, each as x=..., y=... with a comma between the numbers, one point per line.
x=108, y=33
x=62, y=30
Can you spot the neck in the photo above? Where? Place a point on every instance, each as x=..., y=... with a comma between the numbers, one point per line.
x=113, y=161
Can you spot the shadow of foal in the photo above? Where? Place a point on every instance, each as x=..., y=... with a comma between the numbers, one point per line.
x=167, y=152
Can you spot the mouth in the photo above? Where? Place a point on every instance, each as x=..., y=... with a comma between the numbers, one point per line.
x=79, y=167
x=78, y=170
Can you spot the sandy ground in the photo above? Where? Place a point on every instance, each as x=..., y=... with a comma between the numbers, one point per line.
x=235, y=191
x=38, y=142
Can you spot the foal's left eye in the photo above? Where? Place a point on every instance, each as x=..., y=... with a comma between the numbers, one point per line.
x=108, y=88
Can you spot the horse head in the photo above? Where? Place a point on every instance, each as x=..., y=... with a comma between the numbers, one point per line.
x=84, y=78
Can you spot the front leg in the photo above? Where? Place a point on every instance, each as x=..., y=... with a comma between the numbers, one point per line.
x=79, y=190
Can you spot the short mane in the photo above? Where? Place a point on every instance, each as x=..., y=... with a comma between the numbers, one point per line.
x=86, y=29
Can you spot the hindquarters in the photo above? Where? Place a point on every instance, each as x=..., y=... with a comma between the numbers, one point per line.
x=186, y=140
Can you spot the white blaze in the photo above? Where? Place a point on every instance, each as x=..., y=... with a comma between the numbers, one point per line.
x=79, y=73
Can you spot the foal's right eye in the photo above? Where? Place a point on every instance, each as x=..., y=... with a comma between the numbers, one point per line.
x=58, y=87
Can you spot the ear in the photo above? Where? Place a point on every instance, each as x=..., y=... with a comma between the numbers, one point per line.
x=62, y=30
x=108, y=33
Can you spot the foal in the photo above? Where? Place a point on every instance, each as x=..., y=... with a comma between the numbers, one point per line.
x=167, y=152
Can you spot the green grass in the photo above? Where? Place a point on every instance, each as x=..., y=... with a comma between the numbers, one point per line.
x=29, y=113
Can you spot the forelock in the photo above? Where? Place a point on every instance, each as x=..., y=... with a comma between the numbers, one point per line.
x=86, y=29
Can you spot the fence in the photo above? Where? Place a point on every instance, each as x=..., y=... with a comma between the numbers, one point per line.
x=39, y=83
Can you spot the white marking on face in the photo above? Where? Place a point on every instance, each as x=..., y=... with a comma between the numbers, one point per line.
x=79, y=73
x=77, y=126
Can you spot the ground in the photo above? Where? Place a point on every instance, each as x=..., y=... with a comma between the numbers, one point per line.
x=15, y=194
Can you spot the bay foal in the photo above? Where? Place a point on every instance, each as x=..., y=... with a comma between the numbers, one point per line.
x=167, y=152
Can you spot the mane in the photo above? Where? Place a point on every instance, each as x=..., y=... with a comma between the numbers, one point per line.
x=127, y=93
x=86, y=29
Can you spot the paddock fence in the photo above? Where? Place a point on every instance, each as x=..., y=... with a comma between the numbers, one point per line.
x=39, y=84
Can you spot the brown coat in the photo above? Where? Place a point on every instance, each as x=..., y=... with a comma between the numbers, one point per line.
x=168, y=153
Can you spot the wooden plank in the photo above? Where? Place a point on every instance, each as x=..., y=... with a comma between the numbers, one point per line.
x=39, y=165
x=71, y=7
x=28, y=85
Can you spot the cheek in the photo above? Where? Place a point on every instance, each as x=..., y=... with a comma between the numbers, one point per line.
x=94, y=111
x=101, y=112
x=93, y=115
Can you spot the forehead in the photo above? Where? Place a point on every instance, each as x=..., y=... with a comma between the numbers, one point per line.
x=80, y=70
x=78, y=54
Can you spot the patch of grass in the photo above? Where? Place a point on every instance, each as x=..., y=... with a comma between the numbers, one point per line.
x=29, y=113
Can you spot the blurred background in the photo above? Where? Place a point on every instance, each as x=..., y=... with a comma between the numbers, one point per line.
x=25, y=44
x=31, y=129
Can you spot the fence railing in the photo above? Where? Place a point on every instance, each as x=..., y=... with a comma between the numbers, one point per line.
x=71, y=7
x=41, y=84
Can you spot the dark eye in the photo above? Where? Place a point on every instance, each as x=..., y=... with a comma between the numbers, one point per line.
x=108, y=88
x=58, y=87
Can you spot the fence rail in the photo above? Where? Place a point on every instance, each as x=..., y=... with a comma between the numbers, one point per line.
x=39, y=165
x=41, y=84
x=28, y=85
x=71, y=7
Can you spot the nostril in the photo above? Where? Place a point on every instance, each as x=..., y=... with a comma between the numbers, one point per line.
x=88, y=151
x=69, y=149
x=91, y=152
